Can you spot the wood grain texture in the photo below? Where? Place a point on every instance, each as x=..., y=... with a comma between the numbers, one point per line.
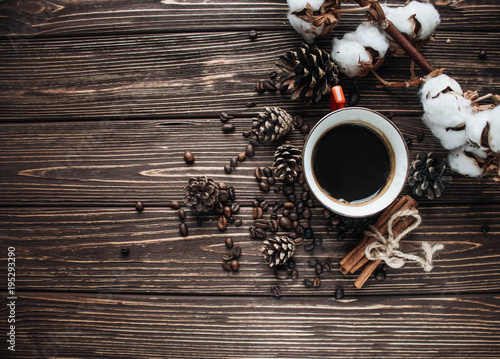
x=198, y=74
x=109, y=325
x=78, y=249
x=120, y=162
x=37, y=18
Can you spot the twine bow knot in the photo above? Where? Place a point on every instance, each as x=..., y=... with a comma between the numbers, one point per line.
x=387, y=249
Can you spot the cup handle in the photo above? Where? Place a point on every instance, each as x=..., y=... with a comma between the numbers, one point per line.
x=337, y=98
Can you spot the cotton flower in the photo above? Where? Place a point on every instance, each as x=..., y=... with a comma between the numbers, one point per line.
x=464, y=160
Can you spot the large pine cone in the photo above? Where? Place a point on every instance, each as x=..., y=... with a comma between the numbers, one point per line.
x=271, y=124
x=278, y=250
x=287, y=162
x=202, y=193
x=425, y=176
x=310, y=73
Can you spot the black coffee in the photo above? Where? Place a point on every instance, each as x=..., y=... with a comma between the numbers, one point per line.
x=351, y=163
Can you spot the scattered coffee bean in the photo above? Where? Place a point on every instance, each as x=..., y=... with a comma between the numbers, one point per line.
x=175, y=205
x=308, y=283
x=242, y=156
x=228, y=168
x=318, y=268
x=139, y=206
x=235, y=208
x=276, y=206
x=226, y=266
x=318, y=241
x=265, y=206
x=182, y=214
x=273, y=225
x=260, y=199
x=353, y=98
x=224, y=117
x=125, y=251
x=285, y=223
x=340, y=236
x=229, y=242
x=271, y=180
x=237, y=252
x=273, y=75
x=339, y=294
x=270, y=86
x=261, y=223
x=257, y=233
x=288, y=205
x=305, y=187
x=380, y=275
x=219, y=208
x=288, y=189
x=250, y=150
x=246, y=133
x=227, y=211
x=295, y=274
x=233, y=161
x=305, y=128
x=308, y=233
x=238, y=222
x=312, y=262
x=483, y=54
x=264, y=186
x=420, y=136
x=227, y=257
x=251, y=104
x=222, y=223
x=316, y=282
x=485, y=228
x=327, y=267
x=257, y=212
x=292, y=198
x=183, y=229
x=276, y=291
x=253, y=142
x=267, y=172
x=281, y=273
x=223, y=185
x=260, y=87
x=308, y=245
x=235, y=265
x=226, y=128
x=231, y=193
x=293, y=216
x=299, y=241
x=231, y=220
x=310, y=203
x=286, y=212
x=408, y=140
x=306, y=213
x=335, y=221
x=252, y=34
x=189, y=157
x=298, y=121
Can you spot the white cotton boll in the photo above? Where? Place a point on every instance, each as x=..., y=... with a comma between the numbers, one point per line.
x=461, y=163
x=475, y=125
x=494, y=137
x=448, y=110
x=427, y=16
x=399, y=17
x=306, y=29
x=434, y=86
x=369, y=35
x=449, y=139
x=349, y=56
x=295, y=5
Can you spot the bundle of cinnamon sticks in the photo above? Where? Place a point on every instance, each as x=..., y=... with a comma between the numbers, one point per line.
x=356, y=259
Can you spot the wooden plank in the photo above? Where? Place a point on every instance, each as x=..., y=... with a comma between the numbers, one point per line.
x=37, y=18
x=198, y=74
x=79, y=249
x=120, y=162
x=108, y=325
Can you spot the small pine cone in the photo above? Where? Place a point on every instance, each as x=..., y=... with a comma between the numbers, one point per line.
x=310, y=73
x=278, y=250
x=287, y=162
x=202, y=193
x=425, y=176
x=271, y=124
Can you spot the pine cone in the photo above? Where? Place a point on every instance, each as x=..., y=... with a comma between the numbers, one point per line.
x=271, y=124
x=310, y=73
x=425, y=176
x=202, y=193
x=287, y=162
x=278, y=250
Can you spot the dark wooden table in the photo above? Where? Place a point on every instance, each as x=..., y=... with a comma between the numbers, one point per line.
x=98, y=102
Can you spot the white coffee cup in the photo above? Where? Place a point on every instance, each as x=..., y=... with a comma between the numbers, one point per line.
x=396, y=148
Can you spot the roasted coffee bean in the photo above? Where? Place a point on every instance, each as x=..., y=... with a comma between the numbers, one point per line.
x=353, y=98
x=257, y=212
x=281, y=273
x=266, y=171
x=237, y=252
x=264, y=186
x=224, y=117
x=139, y=206
x=255, y=203
x=222, y=185
x=316, y=282
x=125, y=251
x=235, y=265
x=420, y=136
x=340, y=236
x=261, y=223
x=312, y=262
x=318, y=268
x=226, y=266
x=308, y=233
x=305, y=128
x=183, y=229
x=292, y=198
x=235, y=208
x=222, y=223
x=295, y=274
x=305, y=196
x=299, y=230
x=175, y=205
x=260, y=198
x=228, y=168
x=227, y=127
x=295, y=224
x=335, y=221
x=380, y=275
x=238, y=222
x=308, y=245
x=288, y=189
x=273, y=75
x=342, y=227
x=182, y=214
x=229, y=242
x=250, y=150
x=305, y=187
x=310, y=203
x=223, y=195
x=271, y=180
x=246, y=133
x=485, y=228
x=285, y=223
x=251, y=104
x=339, y=294
x=273, y=225
x=327, y=267
x=227, y=211
x=318, y=241
x=482, y=54
x=260, y=87
x=188, y=157
x=278, y=189
x=408, y=141
x=231, y=193
x=227, y=257
x=299, y=241
x=300, y=207
x=306, y=213
x=293, y=216
x=304, y=223
x=252, y=34
x=270, y=86
x=301, y=179
x=265, y=206
x=219, y=208
x=276, y=291
x=288, y=205
x=293, y=235
x=308, y=283
x=276, y=206
x=298, y=121
x=242, y=156
x=233, y=161
x=253, y=142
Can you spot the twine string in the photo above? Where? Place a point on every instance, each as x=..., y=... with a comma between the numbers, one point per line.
x=387, y=248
